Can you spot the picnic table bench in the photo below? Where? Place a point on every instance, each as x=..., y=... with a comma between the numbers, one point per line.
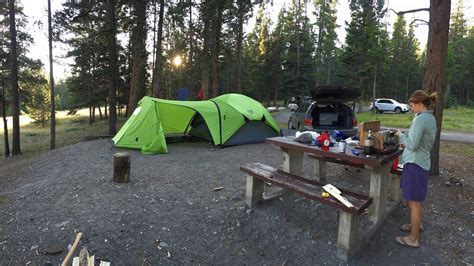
x=348, y=232
x=350, y=237
x=395, y=194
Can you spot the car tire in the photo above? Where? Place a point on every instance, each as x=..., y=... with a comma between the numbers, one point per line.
x=377, y=110
x=398, y=110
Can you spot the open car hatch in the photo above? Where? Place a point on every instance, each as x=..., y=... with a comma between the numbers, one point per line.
x=334, y=93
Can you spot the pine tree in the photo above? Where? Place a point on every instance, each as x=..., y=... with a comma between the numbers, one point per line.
x=158, y=66
x=139, y=54
x=434, y=76
x=457, y=73
x=52, y=144
x=38, y=105
x=365, y=46
x=16, y=150
x=111, y=31
x=414, y=64
x=326, y=39
x=470, y=65
x=398, y=59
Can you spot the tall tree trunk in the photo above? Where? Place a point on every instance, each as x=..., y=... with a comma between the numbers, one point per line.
x=100, y=112
x=191, y=46
x=138, y=82
x=16, y=150
x=320, y=43
x=5, y=124
x=374, y=87
x=154, y=36
x=297, y=79
x=105, y=110
x=91, y=118
x=113, y=68
x=93, y=113
x=436, y=55
x=217, y=25
x=328, y=81
x=52, y=144
x=156, y=81
x=205, y=54
x=238, y=61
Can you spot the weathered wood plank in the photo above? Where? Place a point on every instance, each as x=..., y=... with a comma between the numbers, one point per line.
x=254, y=191
x=293, y=161
x=378, y=191
x=320, y=170
x=375, y=161
x=348, y=238
x=307, y=188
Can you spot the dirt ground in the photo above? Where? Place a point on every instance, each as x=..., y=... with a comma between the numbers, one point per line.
x=170, y=213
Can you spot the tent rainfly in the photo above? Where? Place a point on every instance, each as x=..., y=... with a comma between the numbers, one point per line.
x=227, y=120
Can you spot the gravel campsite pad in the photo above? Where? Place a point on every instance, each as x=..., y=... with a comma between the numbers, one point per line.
x=187, y=207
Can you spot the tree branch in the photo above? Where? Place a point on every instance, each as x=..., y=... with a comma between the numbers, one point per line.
x=400, y=13
x=420, y=20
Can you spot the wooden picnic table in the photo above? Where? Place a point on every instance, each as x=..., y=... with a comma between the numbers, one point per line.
x=377, y=165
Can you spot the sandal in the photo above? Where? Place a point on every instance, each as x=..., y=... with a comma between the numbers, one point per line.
x=407, y=228
x=401, y=240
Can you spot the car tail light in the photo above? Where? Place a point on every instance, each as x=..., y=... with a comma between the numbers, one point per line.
x=308, y=122
x=354, y=122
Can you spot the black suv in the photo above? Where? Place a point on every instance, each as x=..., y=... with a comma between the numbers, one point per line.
x=328, y=110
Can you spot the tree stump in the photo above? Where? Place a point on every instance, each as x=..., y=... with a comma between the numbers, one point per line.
x=121, y=167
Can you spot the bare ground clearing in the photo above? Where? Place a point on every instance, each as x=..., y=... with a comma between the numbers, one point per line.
x=170, y=206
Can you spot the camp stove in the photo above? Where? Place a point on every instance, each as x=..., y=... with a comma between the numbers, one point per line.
x=388, y=137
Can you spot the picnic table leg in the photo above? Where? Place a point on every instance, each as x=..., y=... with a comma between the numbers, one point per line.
x=395, y=193
x=348, y=235
x=378, y=191
x=293, y=161
x=320, y=170
x=254, y=191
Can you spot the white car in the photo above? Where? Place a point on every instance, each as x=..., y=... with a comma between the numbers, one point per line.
x=389, y=105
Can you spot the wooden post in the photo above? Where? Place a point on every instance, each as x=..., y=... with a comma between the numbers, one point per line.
x=320, y=170
x=347, y=236
x=254, y=191
x=378, y=191
x=293, y=161
x=121, y=167
x=395, y=194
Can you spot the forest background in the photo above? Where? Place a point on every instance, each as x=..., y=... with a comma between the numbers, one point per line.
x=205, y=47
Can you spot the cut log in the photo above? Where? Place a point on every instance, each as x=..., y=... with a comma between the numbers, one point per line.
x=121, y=167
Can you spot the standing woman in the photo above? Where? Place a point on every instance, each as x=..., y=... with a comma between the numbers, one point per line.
x=416, y=155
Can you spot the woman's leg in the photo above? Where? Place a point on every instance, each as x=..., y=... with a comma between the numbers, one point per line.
x=415, y=217
x=407, y=226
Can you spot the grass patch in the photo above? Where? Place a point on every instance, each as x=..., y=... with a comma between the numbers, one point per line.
x=387, y=120
x=457, y=149
x=459, y=119
x=72, y=129
x=80, y=120
x=69, y=130
x=282, y=125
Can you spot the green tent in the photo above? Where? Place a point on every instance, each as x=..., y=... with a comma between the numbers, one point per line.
x=227, y=120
